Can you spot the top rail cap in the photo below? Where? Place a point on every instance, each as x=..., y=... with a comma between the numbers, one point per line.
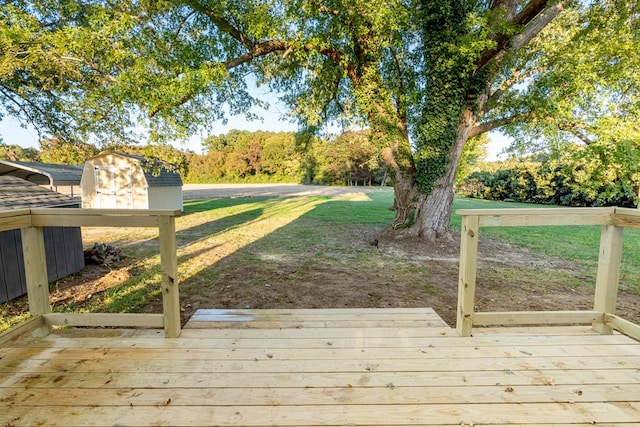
x=535, y=211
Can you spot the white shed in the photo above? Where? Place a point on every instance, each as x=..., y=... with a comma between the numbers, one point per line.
x=113, y=180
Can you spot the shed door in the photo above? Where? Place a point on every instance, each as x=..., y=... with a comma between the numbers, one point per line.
x=114, y=187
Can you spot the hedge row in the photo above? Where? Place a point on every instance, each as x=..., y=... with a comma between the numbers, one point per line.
x=583, y=176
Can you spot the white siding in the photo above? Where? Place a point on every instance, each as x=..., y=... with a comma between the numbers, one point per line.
x=165, y=198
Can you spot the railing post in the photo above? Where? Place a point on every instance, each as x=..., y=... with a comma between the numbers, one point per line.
x=169, y=266
x=608, y=275
x=35, y=274
x=467, y=274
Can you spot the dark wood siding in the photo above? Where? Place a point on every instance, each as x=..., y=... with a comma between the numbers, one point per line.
x=12, y=265
x=63, y=248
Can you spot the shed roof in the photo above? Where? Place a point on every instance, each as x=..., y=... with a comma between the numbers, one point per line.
x=42, y=173
x=17, y=193
x=157, y=172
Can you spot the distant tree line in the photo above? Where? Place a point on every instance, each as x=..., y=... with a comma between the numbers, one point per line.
x=596, y=174
x=241, y=156
x=606, y=174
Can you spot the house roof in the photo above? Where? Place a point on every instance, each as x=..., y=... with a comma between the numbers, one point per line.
x=17, y=193
x=42, y=173
x=157, y=172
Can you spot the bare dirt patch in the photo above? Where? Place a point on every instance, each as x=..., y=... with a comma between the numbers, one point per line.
x=93, y=279
x=79, y=288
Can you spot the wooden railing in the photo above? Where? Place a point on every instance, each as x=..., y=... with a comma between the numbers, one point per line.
x=31, y=221
x=602, y=317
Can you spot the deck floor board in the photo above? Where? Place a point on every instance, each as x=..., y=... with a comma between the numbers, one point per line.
x=364, y=367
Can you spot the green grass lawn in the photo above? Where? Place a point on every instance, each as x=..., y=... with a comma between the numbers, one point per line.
x=579, y=243
x=568, y=242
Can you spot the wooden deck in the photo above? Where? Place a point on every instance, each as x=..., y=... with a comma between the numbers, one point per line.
x=373, y=367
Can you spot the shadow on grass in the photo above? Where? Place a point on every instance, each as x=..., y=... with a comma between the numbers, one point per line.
x=191, y=207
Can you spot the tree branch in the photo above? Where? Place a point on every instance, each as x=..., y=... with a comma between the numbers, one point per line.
x=536, y=25
x=495, y=96
x=327, y=10
x=534, y=16
x=493, y=124
x=582, y=137
x=264, y=48
x=256, y=50
x=508, y=6
x=574, y=129
x=222, y=24
x=181, y=27
x=50, y=123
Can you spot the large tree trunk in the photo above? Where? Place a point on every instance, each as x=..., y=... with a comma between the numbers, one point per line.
x=405, y=195
x=455, y=98
x=428, y=215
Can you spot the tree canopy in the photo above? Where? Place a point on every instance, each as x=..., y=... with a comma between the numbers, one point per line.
x=578, y=81
x=423, y=75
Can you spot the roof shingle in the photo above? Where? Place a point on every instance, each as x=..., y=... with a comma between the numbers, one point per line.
x=16, y=193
